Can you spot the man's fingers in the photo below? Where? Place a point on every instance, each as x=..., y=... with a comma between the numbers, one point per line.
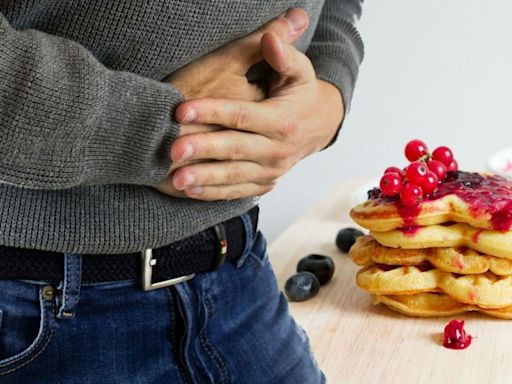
x=216, y=173
x=246, y=52
x=228, y=192
x=166, y=187
x=191, y=129
x=286, y=60
x=241, y=115
x=223, y=145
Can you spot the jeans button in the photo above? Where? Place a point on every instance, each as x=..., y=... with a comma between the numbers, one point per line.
x=48, y=293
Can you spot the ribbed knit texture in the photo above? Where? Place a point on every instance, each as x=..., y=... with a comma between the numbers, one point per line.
x=87, y=122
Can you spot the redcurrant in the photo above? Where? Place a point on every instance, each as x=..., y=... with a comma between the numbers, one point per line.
x=415, y=149
x=411, y=195
x=454, y=166
x=393, y=170
x=416, y=172
x=391, y=183
x=430, y=182
x=438, y=168
x=444, y=155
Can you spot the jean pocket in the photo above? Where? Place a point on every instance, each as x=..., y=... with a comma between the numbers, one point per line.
x=257, y=255
x=25, y=329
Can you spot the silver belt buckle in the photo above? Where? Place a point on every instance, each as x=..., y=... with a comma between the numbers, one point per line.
x=148, y=262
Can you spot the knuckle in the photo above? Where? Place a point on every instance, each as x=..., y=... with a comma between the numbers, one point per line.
x=274, y=174
x=241, y=118
x=271, y=186
x=233, y=193
x=280, y=156
x=214, y=114
x=267, y=188
x=289, y=128
x=234, y=175
x=235, y=150
x=279, y=26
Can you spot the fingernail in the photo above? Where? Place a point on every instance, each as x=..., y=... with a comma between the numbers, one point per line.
x=189, y=179
x=196, y=190
x=187, y=153
x=190, y=115
x=296, y=19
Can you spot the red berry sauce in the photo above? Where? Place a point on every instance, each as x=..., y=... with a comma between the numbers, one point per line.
x=410, y=231
x=455, y=336
x=475, y=237
x=486, y=195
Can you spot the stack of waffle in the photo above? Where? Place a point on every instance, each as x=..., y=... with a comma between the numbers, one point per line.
x=451, y=255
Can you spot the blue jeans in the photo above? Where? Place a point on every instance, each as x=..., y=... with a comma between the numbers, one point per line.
x=227, y=326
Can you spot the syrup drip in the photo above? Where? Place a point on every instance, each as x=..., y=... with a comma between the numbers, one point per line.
x=410, y=231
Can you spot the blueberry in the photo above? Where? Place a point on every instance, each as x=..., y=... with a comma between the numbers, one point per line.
x=320, y=266
x=346, y=238
x=301, y=286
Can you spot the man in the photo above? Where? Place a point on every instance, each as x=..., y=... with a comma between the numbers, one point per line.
x=130, y=251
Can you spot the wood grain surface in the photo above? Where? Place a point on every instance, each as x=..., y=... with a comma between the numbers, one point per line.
x=357, y=342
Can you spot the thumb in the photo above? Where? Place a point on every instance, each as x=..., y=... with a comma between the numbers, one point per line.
x=246, y=51
x=286, y=60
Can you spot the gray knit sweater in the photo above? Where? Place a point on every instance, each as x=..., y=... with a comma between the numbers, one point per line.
x=86, y=123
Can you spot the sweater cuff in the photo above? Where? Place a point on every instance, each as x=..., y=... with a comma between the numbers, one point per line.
x=131, y=142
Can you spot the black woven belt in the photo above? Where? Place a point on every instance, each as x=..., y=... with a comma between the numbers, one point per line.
x=202, y=252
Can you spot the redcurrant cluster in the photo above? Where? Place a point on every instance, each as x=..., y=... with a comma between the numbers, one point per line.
x=421, y=177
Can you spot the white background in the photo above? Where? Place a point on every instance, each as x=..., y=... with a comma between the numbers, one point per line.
x=440, y=71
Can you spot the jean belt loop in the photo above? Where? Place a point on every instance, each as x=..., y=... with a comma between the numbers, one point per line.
x=70, y=287
x=249, y=238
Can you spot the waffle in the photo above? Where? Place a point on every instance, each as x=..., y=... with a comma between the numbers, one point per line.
x=405, y=280
x=384, y=216
x=367, y=251
x=486, y=290
x=490, y=242
x=448, y=255
x=434, y=304
x=480, y=200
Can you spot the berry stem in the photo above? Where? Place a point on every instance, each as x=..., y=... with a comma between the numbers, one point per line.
x=426, y=157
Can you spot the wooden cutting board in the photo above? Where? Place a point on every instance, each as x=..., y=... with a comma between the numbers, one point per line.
x=357, y=342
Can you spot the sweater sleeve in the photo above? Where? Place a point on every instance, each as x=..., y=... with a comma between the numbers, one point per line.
x=67, y=120
x=337, y=50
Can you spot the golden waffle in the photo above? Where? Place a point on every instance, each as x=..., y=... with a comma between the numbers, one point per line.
x=382, y=217
x=367, y=251
x=494, y=243
x=401, y=280
x=480, y=200
x=434, y=304
x=486, y=290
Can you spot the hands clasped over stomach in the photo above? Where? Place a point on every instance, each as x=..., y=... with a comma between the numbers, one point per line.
x=238, y=139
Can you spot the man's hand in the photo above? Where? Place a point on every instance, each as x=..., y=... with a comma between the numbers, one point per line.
x=264, y=139
x=222, y=74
